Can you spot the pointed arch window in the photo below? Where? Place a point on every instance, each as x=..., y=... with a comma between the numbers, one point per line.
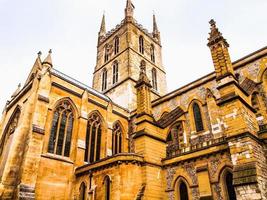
x=141, y=44
x=198, y=118
x=183, y=191
x=61, y=130
x=229, y=186
x=152, y=53
x=107, y=188
x=104, y=79
x=116, y=139
x=93, y=139
x=106, y=56
x=115, y=72
x=117, y=45
x=154, y=79
x=82, y=195
x=175, y=139
x=10, y=129
x=7, y=138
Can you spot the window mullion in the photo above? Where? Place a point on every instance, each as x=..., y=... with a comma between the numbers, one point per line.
x=57, y=132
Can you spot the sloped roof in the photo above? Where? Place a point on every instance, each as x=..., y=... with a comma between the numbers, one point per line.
x=169, y=118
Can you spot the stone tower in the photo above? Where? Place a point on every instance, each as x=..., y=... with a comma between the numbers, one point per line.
x=119, y=53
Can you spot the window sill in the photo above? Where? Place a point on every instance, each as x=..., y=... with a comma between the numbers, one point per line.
x=57, y=157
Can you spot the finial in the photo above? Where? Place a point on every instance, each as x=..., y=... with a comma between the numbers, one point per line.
x=39, y=54
x=215, y=34
x=129, y=9
x=48, y=59
x=212, y=22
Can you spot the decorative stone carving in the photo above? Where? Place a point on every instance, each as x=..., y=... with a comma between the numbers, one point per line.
x=214, y=163
x=195, y=193
x=170, y=174
x=171, y=195
x=191, y=171
x=218, y=191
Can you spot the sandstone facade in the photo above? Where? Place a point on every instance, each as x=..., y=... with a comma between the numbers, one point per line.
x=126, y=138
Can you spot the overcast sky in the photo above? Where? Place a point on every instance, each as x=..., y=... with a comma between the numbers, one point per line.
x=70, y=28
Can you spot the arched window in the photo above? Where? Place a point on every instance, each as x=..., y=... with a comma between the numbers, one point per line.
x=229, y=185
x=116, y=139
x=183, y=191
x=93, y=139
x=7, y=138
x=198, y=118
x=82, y=191
x=117, y=45
x=154, y=79
x=10, y=129
x=152, y=53
x=106, y=53
x=175, y=139
x=104, y=79
x=61, y=130
x=141, y=44
x=115, y=72
x=107, y=188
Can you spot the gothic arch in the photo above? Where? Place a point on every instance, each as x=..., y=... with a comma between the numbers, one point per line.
x=262, y=72
x=71, y=102
x=228, y=189
x=82, y=191
x=180, y=173
x=101, y=126
x=64, y=115
x=6, y=137
x=181, y=178
x=197, y=117
x=119, y=139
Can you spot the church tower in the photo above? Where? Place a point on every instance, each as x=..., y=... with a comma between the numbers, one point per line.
x=119, y=54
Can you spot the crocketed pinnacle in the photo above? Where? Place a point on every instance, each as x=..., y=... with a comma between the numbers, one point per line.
x=129, y=10
x=215, y=35
x=48, y=59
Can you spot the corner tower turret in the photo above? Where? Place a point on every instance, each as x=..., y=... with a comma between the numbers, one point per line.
x=119, y=54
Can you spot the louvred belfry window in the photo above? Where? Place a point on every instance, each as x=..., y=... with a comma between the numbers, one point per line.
x=198, y=117
x=106, y=53
x=104, y=79
x=61, y=130
x=152, y=53
x=141, y=44
x=115, y=72
x=93, y=139
x=117, y=45
x=116, y=139
x=154, y=79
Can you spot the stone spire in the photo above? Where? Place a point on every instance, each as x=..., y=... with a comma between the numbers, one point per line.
x=102, y=31
x=48, y=60
x=143, y=87
x=129, y=10
x=156, y=33
x=219, y=52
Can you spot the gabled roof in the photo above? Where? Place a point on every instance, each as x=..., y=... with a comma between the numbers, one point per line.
x=169, y=118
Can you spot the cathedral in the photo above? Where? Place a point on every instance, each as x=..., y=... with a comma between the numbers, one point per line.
x=126, y=138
